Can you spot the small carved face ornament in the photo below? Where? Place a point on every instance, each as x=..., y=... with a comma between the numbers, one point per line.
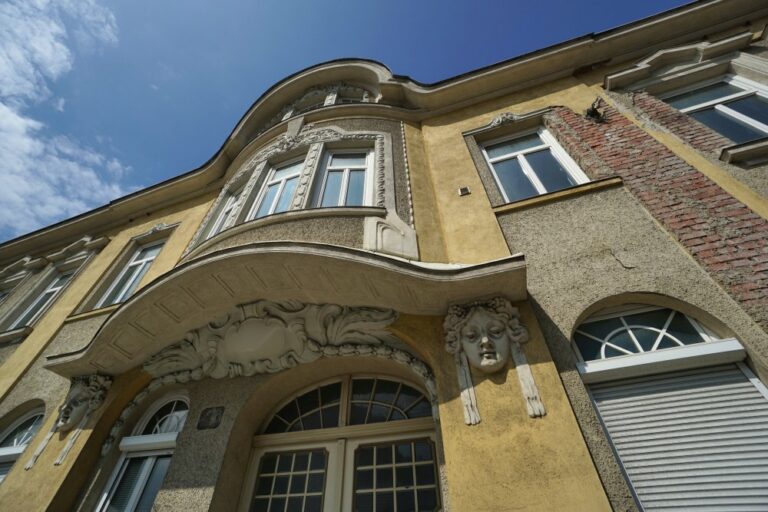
x=485, y=341
x=73, y=410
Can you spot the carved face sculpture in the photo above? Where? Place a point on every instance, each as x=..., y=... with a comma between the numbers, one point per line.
x=485, y=340
x=74, y=408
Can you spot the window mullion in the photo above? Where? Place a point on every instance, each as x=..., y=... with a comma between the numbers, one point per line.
x=531, y=174
x=343, y=189
x=276, y=199
x=663, y=331
x=716, y=102
x=741, y=117
x=632, y=335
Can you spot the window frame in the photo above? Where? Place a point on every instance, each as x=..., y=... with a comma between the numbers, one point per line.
x=269, y=180
x=227, y=214
x=339, y=442
x=133, y=284
x=50, y=281
x=751, y=88
x=322, y=172
x=149, y=446
x=548, y=142
x=13, y=453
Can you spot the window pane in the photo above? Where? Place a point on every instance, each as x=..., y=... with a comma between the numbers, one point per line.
x=682, y=329
x=266, y=202
x=703, y=95
x=148, y=252
x=287, y=171
x=515, y=184
x=127, y=485
x=549, y=171
x=755, y=107
x=23, y=434
x=153, y=484
x=286, y=196
x=169, y=418
x=724, y=125
x=341, y=160
x=137, y=274
x=292, y=482
x=332, y=189
x=355, y=188
x=511, y=146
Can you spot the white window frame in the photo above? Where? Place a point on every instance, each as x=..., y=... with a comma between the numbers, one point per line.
x=149, y=446
x=271, y=181
x=549, y=142
x=750, y=87
x=339, y=442
x=132, y=263
x=713, y=350
x=326, y=167
x=13, y=453
x=52, y=289
x=227, y=214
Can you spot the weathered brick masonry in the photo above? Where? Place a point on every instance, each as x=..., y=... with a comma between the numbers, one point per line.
x=698, y=135
x=727, y=238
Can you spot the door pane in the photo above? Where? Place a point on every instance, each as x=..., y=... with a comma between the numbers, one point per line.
x=291, y=481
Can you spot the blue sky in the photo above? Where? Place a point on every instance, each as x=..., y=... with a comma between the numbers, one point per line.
x=101, y=97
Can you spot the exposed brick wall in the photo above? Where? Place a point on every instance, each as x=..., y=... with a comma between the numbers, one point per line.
x=687, y=128
x=728, y=239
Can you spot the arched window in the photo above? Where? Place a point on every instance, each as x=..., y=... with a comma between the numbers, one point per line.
x=145, y=458
x=685, y=415
x=16, y=437
x=360, y=443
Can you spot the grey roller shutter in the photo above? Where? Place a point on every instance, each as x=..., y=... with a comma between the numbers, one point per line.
x=690, y=440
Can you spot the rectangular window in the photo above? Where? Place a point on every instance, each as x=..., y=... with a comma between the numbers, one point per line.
x=277, y=193
x=531, y=165
x=734, y=107
x=38, y=306
x=344, y=180
x=226, y=215
x=130, y=277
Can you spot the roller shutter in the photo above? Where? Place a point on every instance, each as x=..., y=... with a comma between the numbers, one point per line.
x=690, y=440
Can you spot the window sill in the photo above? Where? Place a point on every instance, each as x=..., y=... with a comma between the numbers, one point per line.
x=748, y=154
x=15, y=336
x=355, y=211
x=560, y=195
x=673, y=359
x=92, y=313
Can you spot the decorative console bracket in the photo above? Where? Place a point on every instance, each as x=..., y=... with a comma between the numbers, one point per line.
x=483, y=334
x=85, y=395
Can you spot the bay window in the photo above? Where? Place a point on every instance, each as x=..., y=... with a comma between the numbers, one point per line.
x=277, y=192
x=344, y=179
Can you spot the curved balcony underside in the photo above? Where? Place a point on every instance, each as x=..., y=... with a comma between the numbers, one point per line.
x=201, y=290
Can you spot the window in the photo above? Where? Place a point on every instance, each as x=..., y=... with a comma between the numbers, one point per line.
x=41, y=302
x=16, y=438
x=685, y=416
x=130, y=277
x=277, y=193
x=227, y=214
x=531, y=165
x=733, y=106
x=343, y=180
x=145, y=460
x=372, y=448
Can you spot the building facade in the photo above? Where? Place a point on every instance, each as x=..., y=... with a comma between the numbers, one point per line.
x=541, y=285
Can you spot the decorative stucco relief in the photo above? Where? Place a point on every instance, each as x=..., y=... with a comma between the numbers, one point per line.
x=86, y=394
x=267, y=337
x=483, y=334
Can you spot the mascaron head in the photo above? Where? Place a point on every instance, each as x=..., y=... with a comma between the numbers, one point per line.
x=484, y=331
x=85, y=394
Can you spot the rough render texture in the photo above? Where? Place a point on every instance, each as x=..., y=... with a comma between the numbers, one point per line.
x=345, y=231
x=600, y=245
x=695, y=134
x=725, y=237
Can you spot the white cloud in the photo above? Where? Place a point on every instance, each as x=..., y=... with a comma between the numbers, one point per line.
x=46, y=177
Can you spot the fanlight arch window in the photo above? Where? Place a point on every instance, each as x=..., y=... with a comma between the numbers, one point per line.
x=145, y=458
x=16, y=437
x=359, y=443
x=637, y=330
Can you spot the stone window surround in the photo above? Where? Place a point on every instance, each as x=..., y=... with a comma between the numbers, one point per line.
x=72, y=258
x=145, y=445
x=507, y=126
x=675, y=70
x=155, y=234
x=313, y=142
